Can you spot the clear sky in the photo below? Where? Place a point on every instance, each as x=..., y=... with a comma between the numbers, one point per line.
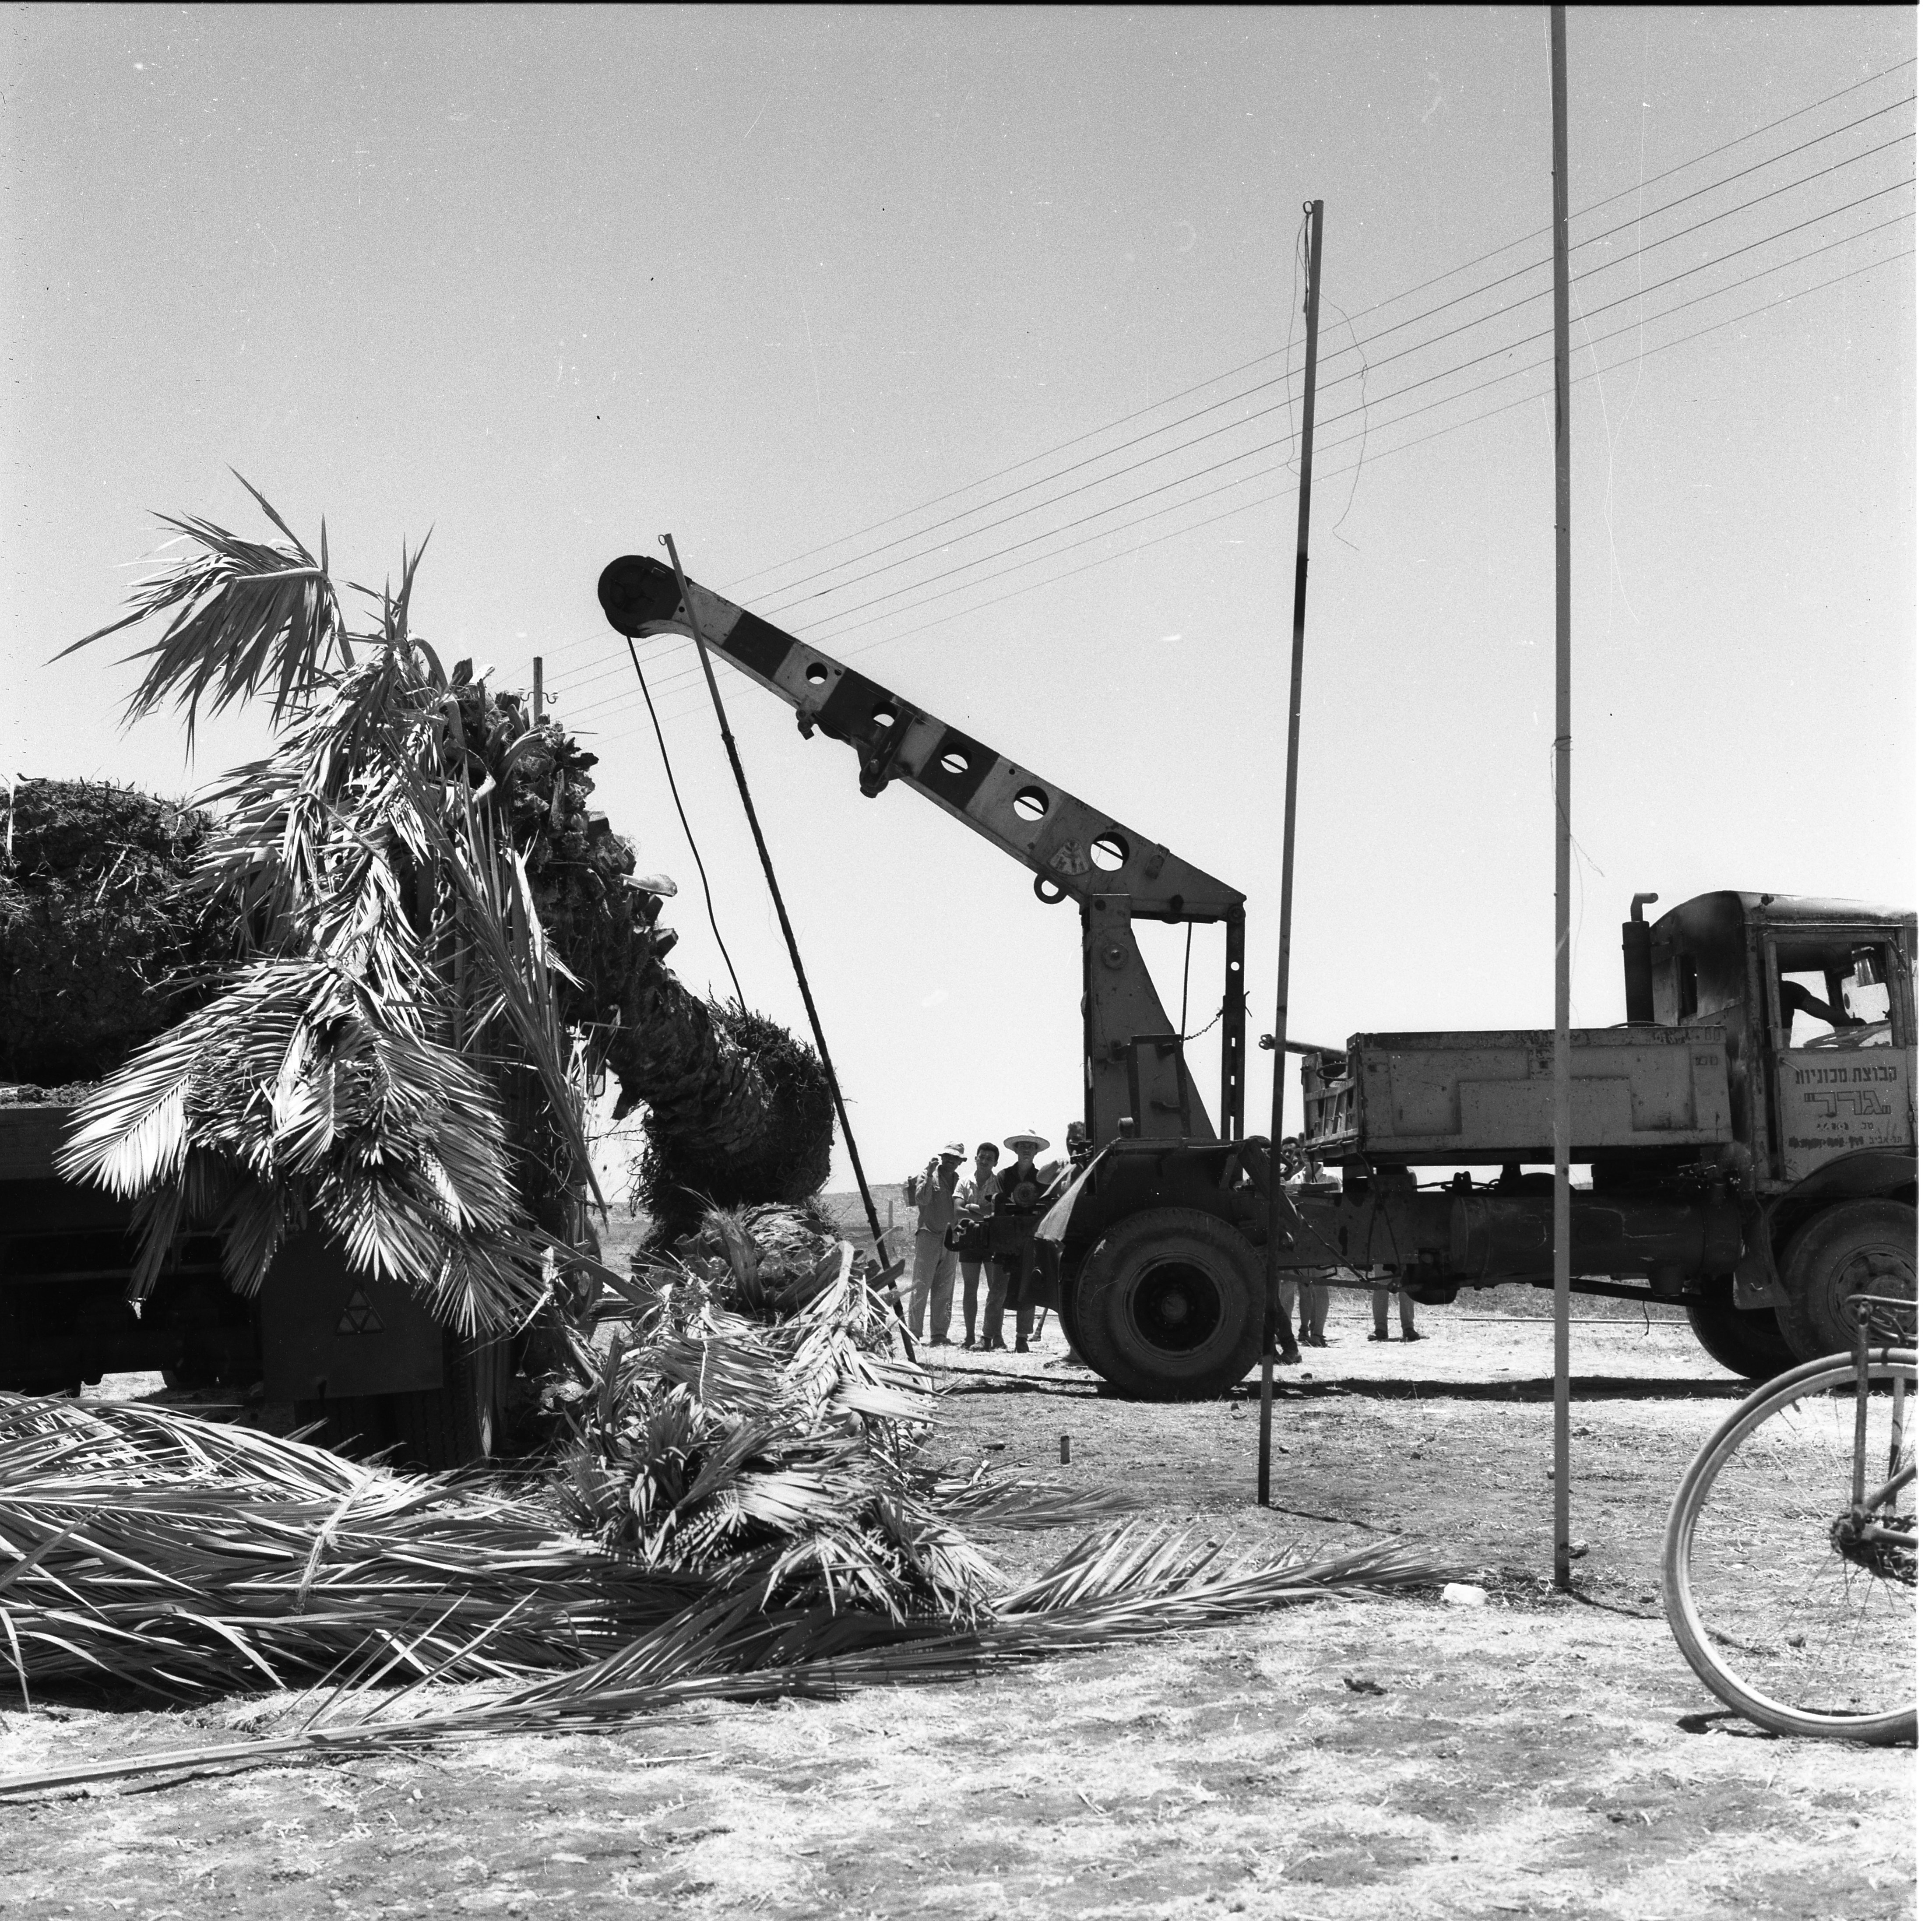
x=555, y=281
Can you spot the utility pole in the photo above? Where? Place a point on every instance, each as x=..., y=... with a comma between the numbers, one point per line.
x=536, y=692
x=1270, y=1306
x=1559, y=188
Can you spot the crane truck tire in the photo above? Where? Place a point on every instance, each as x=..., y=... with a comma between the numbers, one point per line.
x=1851, y=1247
x=1748, y=1342
x=1168, y=1306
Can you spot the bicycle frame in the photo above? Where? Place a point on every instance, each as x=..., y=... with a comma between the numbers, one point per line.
x=1860, y=1511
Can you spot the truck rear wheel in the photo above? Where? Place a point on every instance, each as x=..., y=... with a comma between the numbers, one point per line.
x=1851, y=1247
x=1746, y=1341
x=1168, y=1306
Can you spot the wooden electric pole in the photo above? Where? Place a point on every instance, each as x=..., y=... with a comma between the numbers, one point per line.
x=1559, y=185
x=1270, y=1305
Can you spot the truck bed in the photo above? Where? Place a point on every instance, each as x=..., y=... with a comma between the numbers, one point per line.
x=1483, y=1100
x=32, y=1134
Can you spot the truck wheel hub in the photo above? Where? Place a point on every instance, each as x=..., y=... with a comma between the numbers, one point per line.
x=1176, y=1307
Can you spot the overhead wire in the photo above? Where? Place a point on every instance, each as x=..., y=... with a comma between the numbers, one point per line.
x=845, y=616
x=1536, y=235
x=783, y=609
x=1361, y=458
x=677, y=800
x=1281, y=492
x=1363, y=372
x=1382, y=400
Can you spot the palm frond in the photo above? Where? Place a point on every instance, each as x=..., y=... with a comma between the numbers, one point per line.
x=242, y=615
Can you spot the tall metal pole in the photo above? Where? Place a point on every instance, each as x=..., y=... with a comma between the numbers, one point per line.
x=778, y=902
x=1559, y=184
x=1270, y=1307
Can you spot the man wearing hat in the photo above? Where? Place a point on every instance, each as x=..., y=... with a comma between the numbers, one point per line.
x=934, y=1265
x=1018, y=1189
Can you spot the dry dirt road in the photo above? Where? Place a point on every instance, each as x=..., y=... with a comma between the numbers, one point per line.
x=1400, y=1758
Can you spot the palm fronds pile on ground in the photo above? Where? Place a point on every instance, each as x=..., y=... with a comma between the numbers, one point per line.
x=760, y=1425
x=187, y=1557
x=741, y=1507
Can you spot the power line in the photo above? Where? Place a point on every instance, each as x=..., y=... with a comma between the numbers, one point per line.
x=845, y=614
x=1395, y=327
x=1651, y=351
x=1368, y=428
x=1657, y=213
x=1353, y=374
x=790, y=607
x=1247, y=366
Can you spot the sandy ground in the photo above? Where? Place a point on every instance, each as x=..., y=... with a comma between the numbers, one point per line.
x=1536, y=1756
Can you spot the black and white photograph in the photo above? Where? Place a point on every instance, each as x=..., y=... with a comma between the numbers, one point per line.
x=958, y=962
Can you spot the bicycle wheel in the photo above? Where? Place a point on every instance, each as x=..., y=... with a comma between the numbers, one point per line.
x=1783, y=1615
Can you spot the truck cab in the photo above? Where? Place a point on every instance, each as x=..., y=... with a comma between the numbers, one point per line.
x=1818, y=1001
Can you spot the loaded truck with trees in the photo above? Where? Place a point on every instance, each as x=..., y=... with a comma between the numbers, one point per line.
x=291, y=1089
x=1750, y=1130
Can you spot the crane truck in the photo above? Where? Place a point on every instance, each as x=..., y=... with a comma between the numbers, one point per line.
x=1750, y=1130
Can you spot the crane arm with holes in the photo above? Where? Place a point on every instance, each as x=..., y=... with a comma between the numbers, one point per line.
x=1117, y=875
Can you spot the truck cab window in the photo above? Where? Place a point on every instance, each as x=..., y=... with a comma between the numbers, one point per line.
x=1840, y=1000
x=1686, y=987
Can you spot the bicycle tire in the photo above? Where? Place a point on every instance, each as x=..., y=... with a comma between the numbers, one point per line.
x=1698, y=1592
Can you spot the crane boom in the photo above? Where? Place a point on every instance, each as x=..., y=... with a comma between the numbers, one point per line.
x=1117, y=875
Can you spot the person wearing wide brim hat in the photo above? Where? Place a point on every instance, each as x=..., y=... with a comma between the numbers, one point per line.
x=1018, y=1187
x=934, y=1265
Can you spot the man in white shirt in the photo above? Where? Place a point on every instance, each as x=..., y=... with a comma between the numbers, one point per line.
x=934, y=1264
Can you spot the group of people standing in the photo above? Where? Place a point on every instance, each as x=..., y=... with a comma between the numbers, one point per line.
x=948, y=1194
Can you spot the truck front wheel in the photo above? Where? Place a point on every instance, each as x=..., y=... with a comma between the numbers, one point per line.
x=1168, y=1306
x=1746, y=1341
x=1850, y=1248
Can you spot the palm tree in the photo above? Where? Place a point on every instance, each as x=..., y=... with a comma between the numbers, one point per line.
x=434, y=945
x=392, y=987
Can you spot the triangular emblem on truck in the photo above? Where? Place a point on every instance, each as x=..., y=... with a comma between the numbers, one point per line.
x=359, y=1316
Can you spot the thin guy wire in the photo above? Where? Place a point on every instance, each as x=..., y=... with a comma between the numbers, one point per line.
x=705, y=878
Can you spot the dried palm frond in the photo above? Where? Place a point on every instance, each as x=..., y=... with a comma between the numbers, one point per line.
x=730, y=1648
x=245, y=614
x=187, y=1557
x=752, y=1514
